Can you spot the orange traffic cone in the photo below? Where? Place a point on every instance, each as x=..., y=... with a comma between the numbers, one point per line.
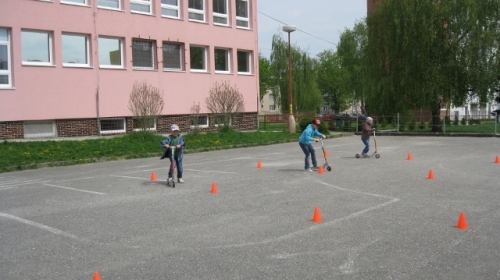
x=259, y=164
x=214, y=188
x=497, y=160
x=409, y=157
x=431, y=175
x=96, y=276
x=317, y=216
x=326, y=153
x=462, y=224
x=320, y=170
x=153, y=176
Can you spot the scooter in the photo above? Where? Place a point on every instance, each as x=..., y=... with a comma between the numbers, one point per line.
x=375, y=154
x=326, y=166
x=172, y=168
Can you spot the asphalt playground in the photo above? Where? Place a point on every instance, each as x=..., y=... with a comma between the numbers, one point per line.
x=380, y=218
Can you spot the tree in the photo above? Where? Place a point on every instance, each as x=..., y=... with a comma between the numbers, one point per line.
x=426, y=54
x=146, y=104
x=330, y=77
x=265, y=76
x=223, y=102
x=306, y=95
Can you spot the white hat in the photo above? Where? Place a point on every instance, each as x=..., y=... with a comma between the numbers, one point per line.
x=174, y=127
x=369, y=119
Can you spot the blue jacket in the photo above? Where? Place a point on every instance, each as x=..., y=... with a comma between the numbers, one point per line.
x=308, y=135
x=178, y=152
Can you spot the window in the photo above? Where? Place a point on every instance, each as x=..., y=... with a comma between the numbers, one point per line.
x=110, y=52
x=75, y=50
x=271, y=97
x=143, y=54
x=40, y=129
x=36, y=47
x=222, y=60
x=197, y=10
x=272, y=107
x=110, y=4
x=220, y=12
x=136, y=125
x=141, y=6
x=173, y=56
x=78, y=2
x=5, y=64
x=198, y=58
x=170, y=8
x=242, y=18
x=112, y=125
x=219, y=119
x=199, y=121
x=244, y=62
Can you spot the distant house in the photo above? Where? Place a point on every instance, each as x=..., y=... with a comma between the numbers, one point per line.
x=67, y=67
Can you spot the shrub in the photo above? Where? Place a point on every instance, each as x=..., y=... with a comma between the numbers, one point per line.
x=411, y=123
x=463, y=121
x=422, y=125
x=323, y=128
x=455, y=120
x=383, y=122
x=447, y=120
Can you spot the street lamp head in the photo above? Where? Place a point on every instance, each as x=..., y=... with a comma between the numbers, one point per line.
x=289, y=28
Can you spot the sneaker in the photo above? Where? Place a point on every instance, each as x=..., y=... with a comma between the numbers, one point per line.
x=308, y=169
x=365, y=155
x=315, y=167
x=180, y=180
x=170, y=179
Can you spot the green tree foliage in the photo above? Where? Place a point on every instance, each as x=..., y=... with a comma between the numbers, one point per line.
x=330, y=77
x=306, y=95
x=265, y=76
x=425, y=54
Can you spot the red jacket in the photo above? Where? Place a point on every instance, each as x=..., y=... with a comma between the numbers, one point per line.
x=367, y=131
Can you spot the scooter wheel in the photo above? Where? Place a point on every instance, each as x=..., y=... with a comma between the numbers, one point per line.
x=377, y=156
x=328, y=168
x=357, y=155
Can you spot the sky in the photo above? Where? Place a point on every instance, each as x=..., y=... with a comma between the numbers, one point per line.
x=319, y=22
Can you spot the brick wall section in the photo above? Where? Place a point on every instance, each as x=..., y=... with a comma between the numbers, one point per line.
x=11, y=130
x=88, y=127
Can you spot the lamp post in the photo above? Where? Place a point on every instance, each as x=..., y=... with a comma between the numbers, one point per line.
x=291, y=120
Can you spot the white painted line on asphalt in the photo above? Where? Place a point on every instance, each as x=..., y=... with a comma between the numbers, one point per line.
x=73, y=189
x=140, y=178
x=84, y=178
x=135, y=167
x=40, y=226
x=211, y=171
x=23, y=183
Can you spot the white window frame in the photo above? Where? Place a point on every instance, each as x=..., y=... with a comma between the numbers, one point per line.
x=111, y=8
x=87, y=50
x=197, y=11
x=69, y=2
x=7, y=72
x=50, y=49
x=223, y=16
x=120, y=40
x=249, y=62
x=172, y=7
x=272, y=107
x=239, y=18
x=201, y=125
x=181, y=56
x=205, y=59
x=228, y=61
x=113, y=131
x=271, y=97
x=153, y=128
x=153, y=54
x=148, y=3
x=217, y=117
x=39, y=125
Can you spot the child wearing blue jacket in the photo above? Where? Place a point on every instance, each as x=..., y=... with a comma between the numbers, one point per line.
x=308, y=136
x=174, y=139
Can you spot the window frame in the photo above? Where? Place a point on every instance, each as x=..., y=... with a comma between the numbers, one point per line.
x=153, y=54
x=205, y=59
x=181, y=56
x=7, y=72
x=148, y=3
x=219, y=15
x=171, y=7
x=68, y=2
x=240, y=18
x=110, y=8
x=50, y=39
x=272, y=107
x=205, y=125
x=197, y=11
x=135, y=128
x=248, y=61
x=87, y=50
x=228, y=61
x=113, y=131
x=122, y=54
x=218, y=117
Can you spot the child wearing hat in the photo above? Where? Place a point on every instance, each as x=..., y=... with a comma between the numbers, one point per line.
x=174, y=140
x=365, y=136
x=305, y=143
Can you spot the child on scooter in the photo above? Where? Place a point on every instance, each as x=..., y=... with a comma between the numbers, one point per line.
x=305, y=143
x=174, y=140
x=365, y=136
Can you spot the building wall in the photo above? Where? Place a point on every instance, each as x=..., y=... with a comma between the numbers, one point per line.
x=75, y=94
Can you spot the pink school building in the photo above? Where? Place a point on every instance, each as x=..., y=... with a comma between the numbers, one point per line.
x=67, y=67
